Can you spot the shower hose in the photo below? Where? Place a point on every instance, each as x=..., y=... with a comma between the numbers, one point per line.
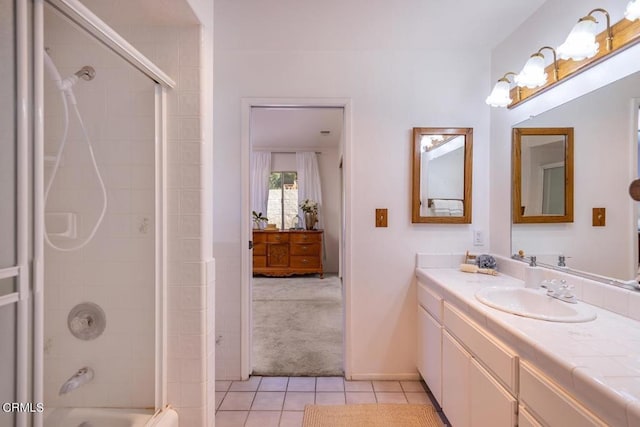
x=67, y=97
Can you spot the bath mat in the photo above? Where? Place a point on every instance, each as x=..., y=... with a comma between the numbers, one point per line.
x=371, y=415
x=297, y=326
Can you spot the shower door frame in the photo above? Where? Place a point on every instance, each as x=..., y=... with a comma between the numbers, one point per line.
x=94, y=26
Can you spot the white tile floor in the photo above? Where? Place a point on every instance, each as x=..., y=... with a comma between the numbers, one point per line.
x=280, y=401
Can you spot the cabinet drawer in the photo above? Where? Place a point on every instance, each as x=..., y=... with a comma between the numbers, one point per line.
x=305, y=262
x=549, y=403
x=305, y=249
x=277, y=237
x=259, y=261
x=306, y=237
x=495, y=356
x=259, y=249
x=259, y=237
x=431, y=301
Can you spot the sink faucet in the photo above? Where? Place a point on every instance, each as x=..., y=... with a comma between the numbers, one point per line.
x=559, y=290
x=83, y=376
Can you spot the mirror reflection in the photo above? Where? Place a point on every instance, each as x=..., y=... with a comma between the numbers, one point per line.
x=542, y=175
x=605, y=124
x=442, y=175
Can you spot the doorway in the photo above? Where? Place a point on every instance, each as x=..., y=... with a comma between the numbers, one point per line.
x=282, y=130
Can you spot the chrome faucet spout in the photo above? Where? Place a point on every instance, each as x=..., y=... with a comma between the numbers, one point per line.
x=83, y=376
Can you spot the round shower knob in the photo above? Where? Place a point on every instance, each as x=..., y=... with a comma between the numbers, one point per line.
x=86, y=321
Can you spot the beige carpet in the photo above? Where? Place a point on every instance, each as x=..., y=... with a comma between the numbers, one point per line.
x=371, y=415
x=297, y=326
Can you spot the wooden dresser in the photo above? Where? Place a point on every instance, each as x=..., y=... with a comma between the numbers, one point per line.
x=285, y=253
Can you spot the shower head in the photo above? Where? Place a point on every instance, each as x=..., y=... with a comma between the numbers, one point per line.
x=85, y=73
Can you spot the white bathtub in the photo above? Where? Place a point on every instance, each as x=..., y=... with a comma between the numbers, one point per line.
x=109, y=417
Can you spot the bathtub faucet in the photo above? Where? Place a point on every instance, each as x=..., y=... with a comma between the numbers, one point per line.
x=83, y=376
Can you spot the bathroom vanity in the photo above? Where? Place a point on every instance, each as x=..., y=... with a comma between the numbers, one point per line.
x=285, y=253
x=489, y=367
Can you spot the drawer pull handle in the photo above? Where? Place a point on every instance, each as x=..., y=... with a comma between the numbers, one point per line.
x=304, y=248
x=305, y=261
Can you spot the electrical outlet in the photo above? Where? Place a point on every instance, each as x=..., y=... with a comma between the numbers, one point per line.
x=478, y=238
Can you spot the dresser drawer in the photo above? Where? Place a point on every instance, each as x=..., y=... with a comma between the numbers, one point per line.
x=277, y=237
x=306, y=237
x=259, y=237
x=305, y=249
x=551, y=404
x=495, y=356
x=305, y=261
x=259, y=261
x=259, y=249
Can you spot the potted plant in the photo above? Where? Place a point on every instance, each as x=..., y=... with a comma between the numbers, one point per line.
x=310, y=209
x=258, y=220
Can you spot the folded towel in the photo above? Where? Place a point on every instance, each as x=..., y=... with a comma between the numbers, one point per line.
x=441, y=212
x=455, y=205
x=440, y=204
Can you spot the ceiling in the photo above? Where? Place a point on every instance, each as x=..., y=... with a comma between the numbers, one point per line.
x=289, y=128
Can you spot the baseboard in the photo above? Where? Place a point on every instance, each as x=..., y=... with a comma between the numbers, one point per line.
x=385, y=377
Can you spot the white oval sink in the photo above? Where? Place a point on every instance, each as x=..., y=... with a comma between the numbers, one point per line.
x=535, y=304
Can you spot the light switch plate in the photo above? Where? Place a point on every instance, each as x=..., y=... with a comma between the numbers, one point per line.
x=599, y=217
x=381, y=217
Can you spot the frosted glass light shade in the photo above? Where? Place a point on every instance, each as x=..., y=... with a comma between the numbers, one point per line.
x=532, y=74
x=581, y=41
x=499, y=96
x=633, y=10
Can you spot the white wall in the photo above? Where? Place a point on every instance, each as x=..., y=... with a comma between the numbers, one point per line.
x=393, y=86
x=549, y=26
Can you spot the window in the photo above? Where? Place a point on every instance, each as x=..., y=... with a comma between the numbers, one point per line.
x=282, y=207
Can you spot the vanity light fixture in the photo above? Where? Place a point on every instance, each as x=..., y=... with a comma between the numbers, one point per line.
x=633, y=10
x=499, y=96
x=581, y=41
x=532, y=74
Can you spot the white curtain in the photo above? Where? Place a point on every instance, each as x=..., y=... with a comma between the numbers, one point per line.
x=260, y=171
x=309, y=182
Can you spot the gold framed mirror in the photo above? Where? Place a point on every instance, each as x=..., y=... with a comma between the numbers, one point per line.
x=542, y=175
x=441, y=183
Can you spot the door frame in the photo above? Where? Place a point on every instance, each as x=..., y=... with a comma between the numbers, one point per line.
x=246, y=321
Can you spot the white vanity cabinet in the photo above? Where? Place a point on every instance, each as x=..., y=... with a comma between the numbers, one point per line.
x=472, y=376
x=430, y=352
x=456, y=388
x=430, y=340
x=474, y=368
x=546, y=403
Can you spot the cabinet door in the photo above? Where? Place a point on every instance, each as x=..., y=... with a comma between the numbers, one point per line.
x=278, y=255
x=455, y=381
x=491, y=404
x=430, y=352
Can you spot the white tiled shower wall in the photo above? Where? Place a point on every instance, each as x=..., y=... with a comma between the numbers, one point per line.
x=116, y=269
x=190, y=333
